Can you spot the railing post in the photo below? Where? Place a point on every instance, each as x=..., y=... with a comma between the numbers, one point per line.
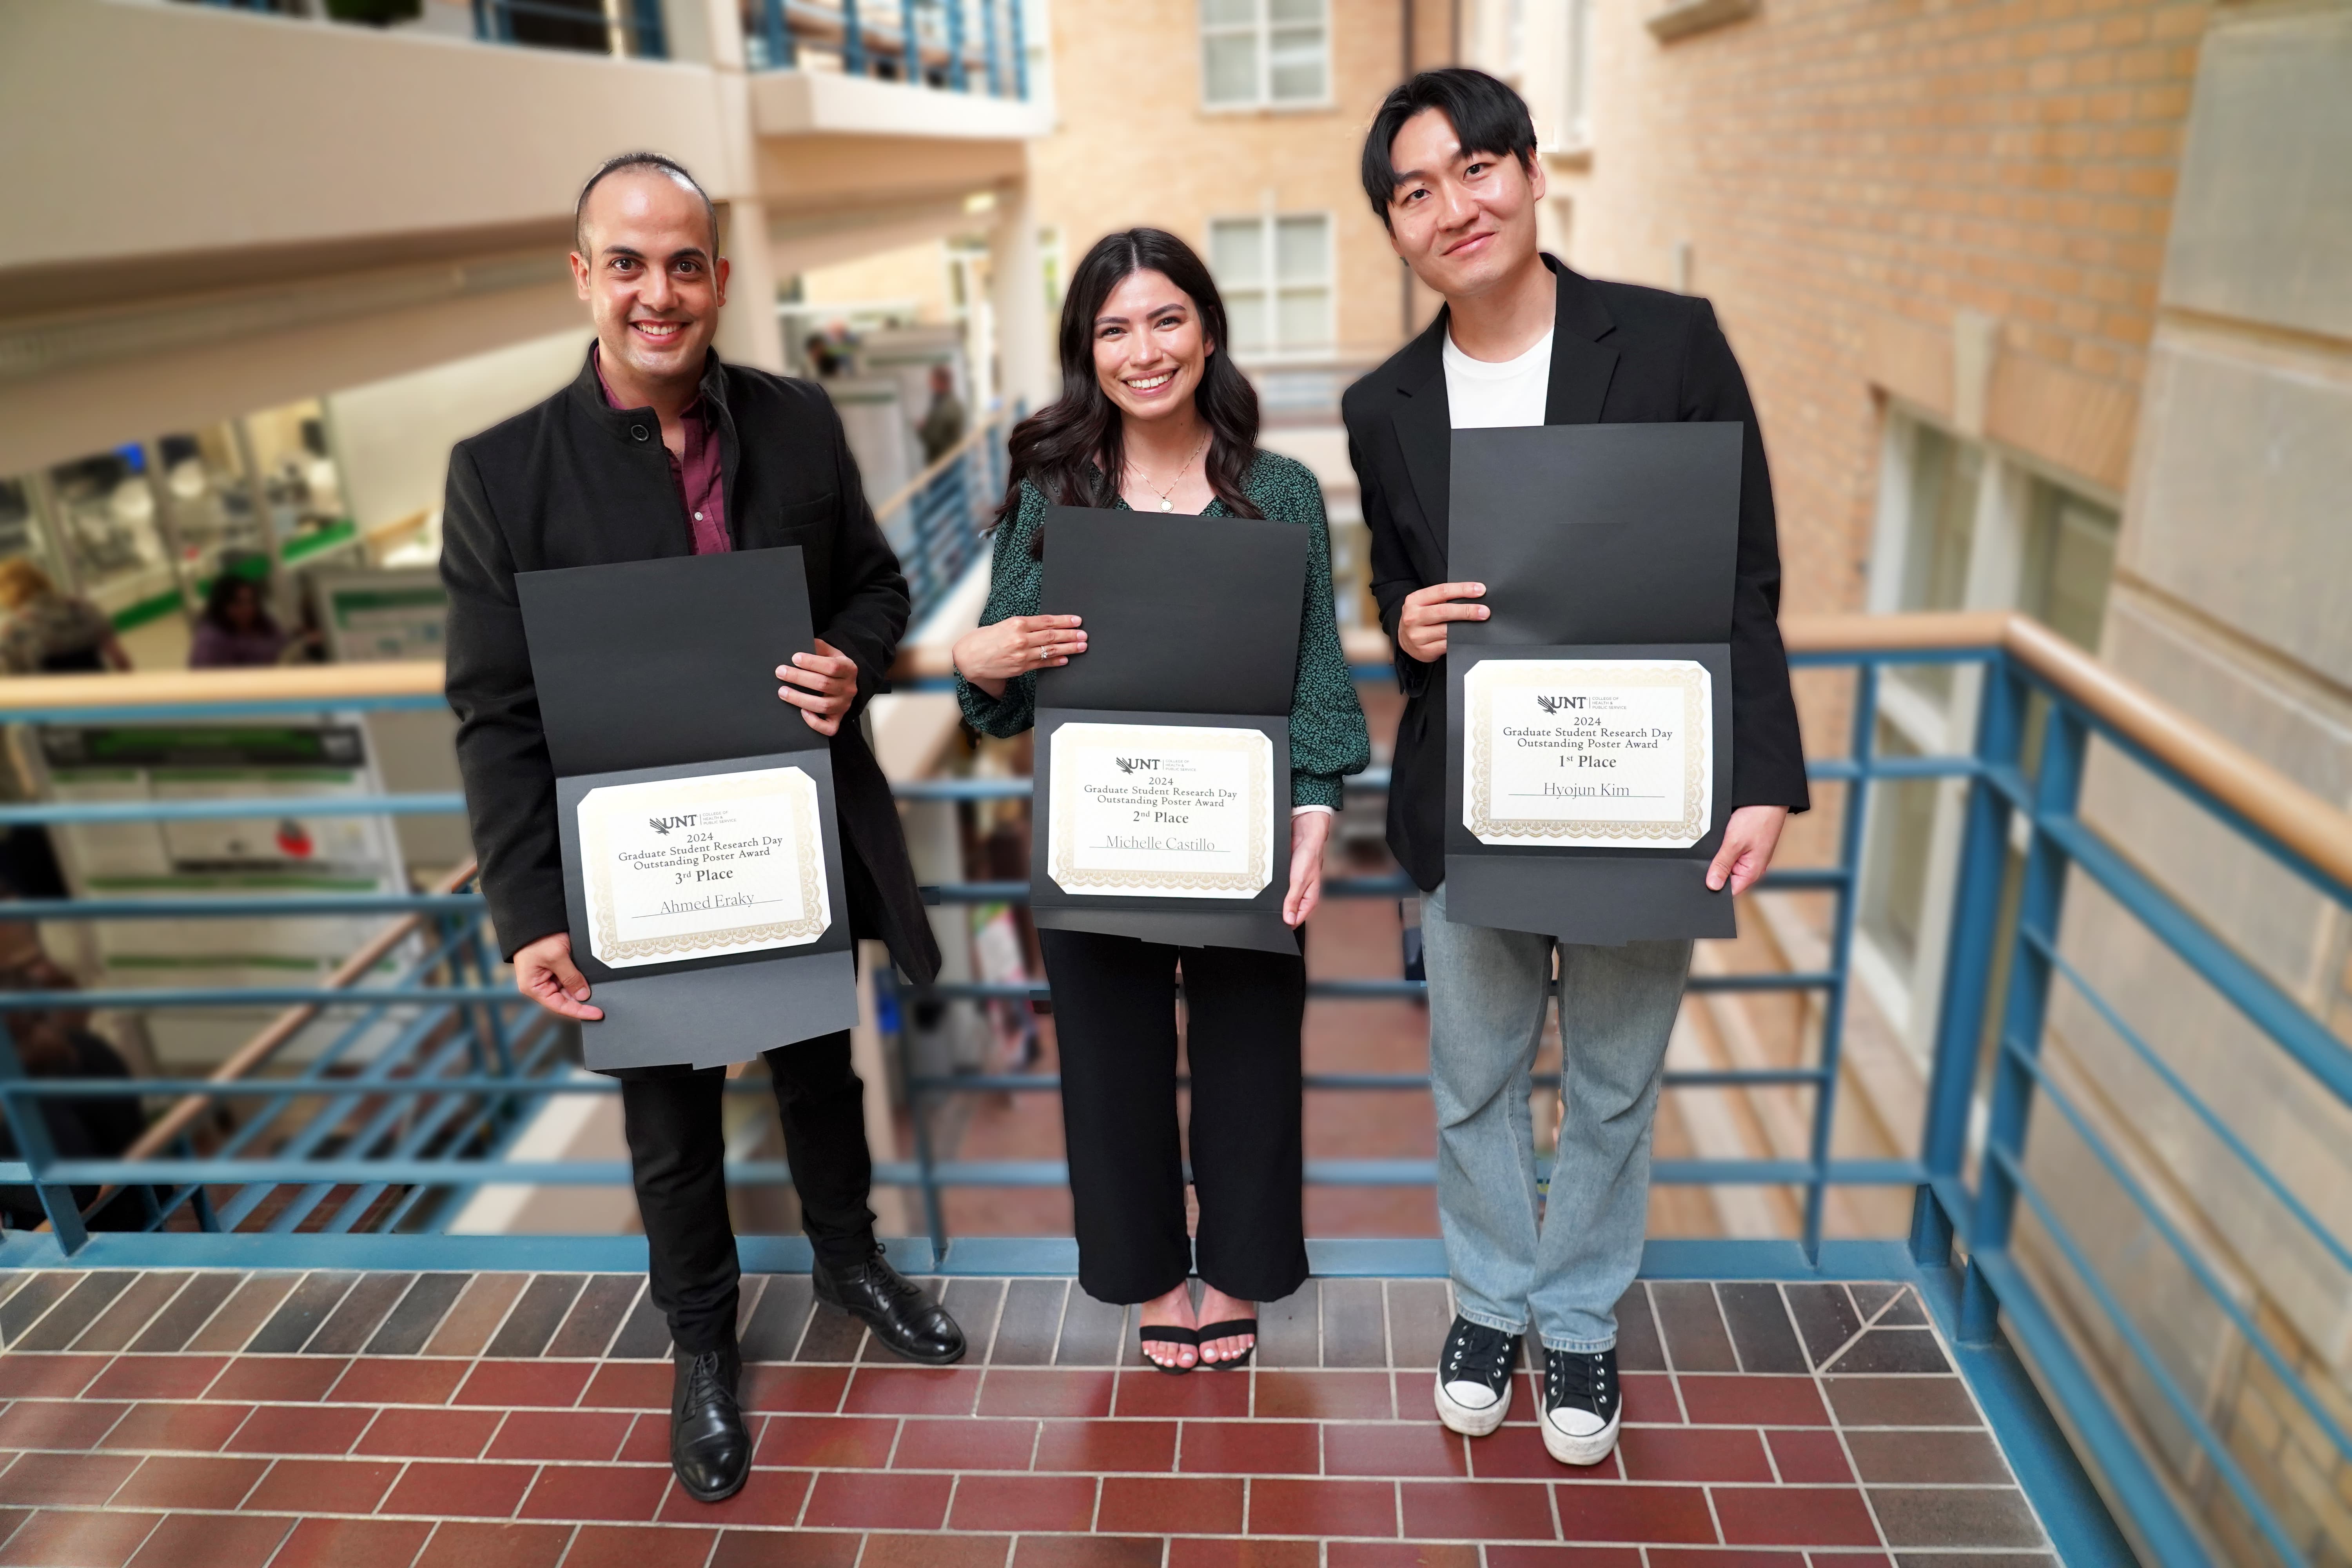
x=988, y=41
x=910, y=46
x=2041, y=898
x=1861, y=746
x=934, y=1213
x=778, y=35
x=649, y=42
x=1969, y=960
x=1012, y=9
x=31, y=1130
x=957, y=78
x=853, y=40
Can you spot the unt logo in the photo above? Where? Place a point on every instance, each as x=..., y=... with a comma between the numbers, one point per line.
x=662, y=824
x=1136, y=764
x=1554, y=704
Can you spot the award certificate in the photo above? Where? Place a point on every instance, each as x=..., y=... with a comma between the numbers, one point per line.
x=1588, y=754
x=1161, y=811
x=699, y=868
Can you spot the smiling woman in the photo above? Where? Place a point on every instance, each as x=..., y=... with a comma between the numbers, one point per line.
x=1153, y=415
x=1153, y=407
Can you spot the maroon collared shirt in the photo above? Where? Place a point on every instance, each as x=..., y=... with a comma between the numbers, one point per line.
x=696, y=475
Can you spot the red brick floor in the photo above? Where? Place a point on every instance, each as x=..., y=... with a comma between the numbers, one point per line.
x=498, y=1421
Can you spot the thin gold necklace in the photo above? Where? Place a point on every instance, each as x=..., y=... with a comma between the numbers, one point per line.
x=1165, y=504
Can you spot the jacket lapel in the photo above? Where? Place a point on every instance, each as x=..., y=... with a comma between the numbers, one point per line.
x=1424, y=430
x=1581, y=364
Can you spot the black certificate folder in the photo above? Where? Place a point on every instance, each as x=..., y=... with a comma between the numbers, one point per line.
x=1609, y=552
x=1191, y=630
x=657, y=692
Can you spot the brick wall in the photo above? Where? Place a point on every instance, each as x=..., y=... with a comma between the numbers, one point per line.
x=1850, y=177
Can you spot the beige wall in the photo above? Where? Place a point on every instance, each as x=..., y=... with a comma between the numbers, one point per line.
x=2230, y=601
x=1135, y=146
x=392, y=437
x=197, y=129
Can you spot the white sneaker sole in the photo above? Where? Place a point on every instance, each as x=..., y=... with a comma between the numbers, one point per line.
x=1469, y=1420
x=1571, y=1450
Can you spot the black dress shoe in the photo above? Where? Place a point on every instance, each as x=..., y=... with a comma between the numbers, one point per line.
x=708, y=1448
x=900, y=1312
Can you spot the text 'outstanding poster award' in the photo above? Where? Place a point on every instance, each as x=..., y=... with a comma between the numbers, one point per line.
x=1163, y=751
x=1589, y=753
x=1161, y=810
x=702, y=868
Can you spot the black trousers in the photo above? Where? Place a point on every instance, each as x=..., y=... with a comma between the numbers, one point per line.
x=1115, y=1018
x=676, y=1147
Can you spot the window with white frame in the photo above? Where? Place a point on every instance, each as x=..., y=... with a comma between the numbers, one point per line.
x=1963, y=525
x=1258, y=53
x=1275, y=271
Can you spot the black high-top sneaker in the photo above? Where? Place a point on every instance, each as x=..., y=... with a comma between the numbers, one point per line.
x=1580, y=1404
x=1474, y=1377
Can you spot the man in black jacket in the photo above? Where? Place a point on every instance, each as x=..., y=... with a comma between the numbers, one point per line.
x=1450, y=166
x=658, y=449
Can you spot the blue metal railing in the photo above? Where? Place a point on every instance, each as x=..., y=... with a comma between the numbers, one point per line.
x=636, y=27
x=957, y=45
x=393, y=1119
x=934, y=523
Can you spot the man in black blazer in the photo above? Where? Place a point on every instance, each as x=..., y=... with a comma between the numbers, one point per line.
x=656, y=448
x=1450, y=166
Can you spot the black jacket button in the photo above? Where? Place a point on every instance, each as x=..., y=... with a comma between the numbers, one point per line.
x=638, y=431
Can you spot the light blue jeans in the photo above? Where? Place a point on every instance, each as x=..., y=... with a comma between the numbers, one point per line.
x=1563, y=1267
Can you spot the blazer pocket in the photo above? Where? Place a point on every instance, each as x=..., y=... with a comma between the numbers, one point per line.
x=799, y=514
x=811, y=525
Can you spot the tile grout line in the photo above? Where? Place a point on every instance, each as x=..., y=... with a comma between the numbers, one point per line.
x=132, y=1335
x=1837, y=1424
x=231, y=1294
x=1739, y=1357
x=63, y=1297
x=1854, y=1338
x=1665, y=1353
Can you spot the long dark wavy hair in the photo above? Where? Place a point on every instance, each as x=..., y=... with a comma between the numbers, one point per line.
x=1074, y=450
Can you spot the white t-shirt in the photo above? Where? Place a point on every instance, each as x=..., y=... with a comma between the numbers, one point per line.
x=1482, y=394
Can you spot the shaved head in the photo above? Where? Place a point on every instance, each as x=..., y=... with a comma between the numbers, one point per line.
x=640, y=162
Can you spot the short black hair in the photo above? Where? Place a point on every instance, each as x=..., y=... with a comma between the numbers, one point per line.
x=1487, y=115
x=627, y=163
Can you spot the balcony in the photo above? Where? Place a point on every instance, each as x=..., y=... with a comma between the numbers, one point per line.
x=308, y=1275
x=321, y=214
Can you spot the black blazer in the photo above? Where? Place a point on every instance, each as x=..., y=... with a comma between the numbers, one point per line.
x=1619, y=356
x=576, y=482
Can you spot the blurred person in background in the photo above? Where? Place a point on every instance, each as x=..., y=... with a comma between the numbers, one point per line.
x=942, y=425
x=236, y=628
x=50, y=633
x=1450, y=167
x=53, y=1043
x=825, y=360
x=1154, y=416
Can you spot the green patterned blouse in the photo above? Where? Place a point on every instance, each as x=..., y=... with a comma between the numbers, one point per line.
x=1328, y=739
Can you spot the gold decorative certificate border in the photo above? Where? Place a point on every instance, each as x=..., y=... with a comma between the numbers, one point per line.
x=1061, y=853
x=596, y=813
x=1490, y=675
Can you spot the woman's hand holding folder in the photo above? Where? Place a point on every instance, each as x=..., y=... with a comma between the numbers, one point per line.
x=990, y=656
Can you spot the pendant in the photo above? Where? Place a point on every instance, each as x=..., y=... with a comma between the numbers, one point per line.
x=1166, y=505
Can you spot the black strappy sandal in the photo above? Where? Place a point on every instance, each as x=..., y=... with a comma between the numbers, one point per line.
x=1231, y=1329
x=1168, y=1334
